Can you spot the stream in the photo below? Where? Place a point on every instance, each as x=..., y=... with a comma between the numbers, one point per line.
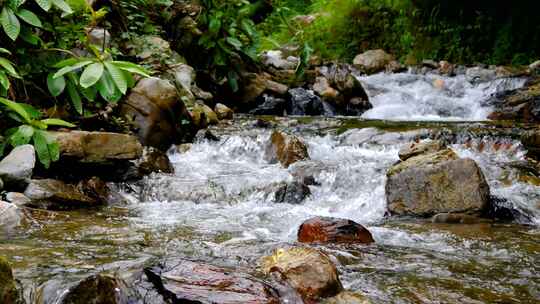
x=219, y=205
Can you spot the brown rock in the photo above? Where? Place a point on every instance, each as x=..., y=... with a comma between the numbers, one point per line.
x=446, y=68
x=203, y=116
x=323, y=88
x=347, y=297
x=287, y=149
x=194, y=282
x=531, y=141
x=333, y=230
x=100, y=289
x=223, y=112
x=372, y=61
x=307, y=270
x=8, y=289
x=153, y=160
x=424, y=147
x=455, y=218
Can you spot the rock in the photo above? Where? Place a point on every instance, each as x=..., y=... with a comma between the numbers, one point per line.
x=305, y=20
x=275, y=59
x=223, y=112
x=203, y=116
x=98, y=147
x=205, y=135
x=194, y=282
x=257, y=84
x=18, y=199
x=287, y=149
x=154, y=51
x=184, y=77
x=99, y=37
x=100, y=289
x=479, y=74
x=17, y=167
x=8, y=288
x=1, y=184
x=372, y=61
x=455, y=218
x=417, y=148
x=439, y=182
x=347, y=297
x=10, y=217
x=333, y=230
x=522, y=104
x=292, y=193
x=307, y=270
x=157, y=114
x=304, y=102
x=446, y=68
x=56, y=195
x=270, y=106
x=432, y=64
x=153, y=160
x=531, y=141
x=323, y=88
x=535, y=66
x=395, y=67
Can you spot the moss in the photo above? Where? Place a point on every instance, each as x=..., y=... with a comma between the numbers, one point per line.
x=8, y=289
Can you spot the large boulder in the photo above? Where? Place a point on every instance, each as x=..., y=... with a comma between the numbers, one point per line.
x=56, y=195
x=157, y=114
x=522, y=104
x=531, y=141
x=17, y=167
x=305, y=102
x=372, y=61
x=100, y=289
x=193, y=282
x=438, y=182
x=333, y=230
x=98, y=147
x=8, y=288
x=286, y=149
x=307, y=270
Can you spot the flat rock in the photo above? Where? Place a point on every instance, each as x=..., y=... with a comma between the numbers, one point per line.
x=333, y=230
x=17, y=167
x=194, y=282
x=417, y=148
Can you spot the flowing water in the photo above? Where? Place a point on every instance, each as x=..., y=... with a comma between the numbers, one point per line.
x=219, y=207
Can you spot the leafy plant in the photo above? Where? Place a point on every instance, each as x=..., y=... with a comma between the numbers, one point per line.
x=6, y=69
x=33, y=129
x=92, y=75
x=13, y=13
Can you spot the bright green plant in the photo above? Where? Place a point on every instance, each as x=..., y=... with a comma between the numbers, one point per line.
x=32, y=129
x=88, y=76
x=13, y=13
x=6, y=69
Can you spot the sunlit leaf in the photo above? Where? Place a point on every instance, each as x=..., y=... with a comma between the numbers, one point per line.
x=56, y=85
x=91, y=75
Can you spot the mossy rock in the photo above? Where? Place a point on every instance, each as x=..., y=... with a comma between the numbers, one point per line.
x=8, y=287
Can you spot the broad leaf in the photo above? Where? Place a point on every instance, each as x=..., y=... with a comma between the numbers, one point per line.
x=71, y=68
x=63, y=6
x=4, y=81
x=17, y=108
x=56, y=85
x=117, y=76
x=28, y=36
x=74, y=96
x=65, y=63
x=131, y=67
x=29, y=17
x=32, y=112
x=22, y=136
x=91, y=75
x=42, y=149
x=57, y=122
x=214, y=25
x=89, y=93
x=5, y=51
x=234, y=42
x=8, y=66
x=10, y=23
x=44, y=4
x=107, y=89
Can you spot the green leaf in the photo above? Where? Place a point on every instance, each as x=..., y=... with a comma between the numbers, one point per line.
x=22, y=136
x=65, y=63
x=74, y=96
x=10, y=23
x=71, y=68
x=28, y=36
x=131, y=67
x=14, y=4
x=237, y=44
x=4, y=81
x=91, y=75
x=57, y=122
x=33, y=113
x=118, y=77
x=107, y=89
x=56, y=85
x=63, y=6
x=89, y=93
x=29, y=17
x=44, y=4
x=17, y=108
x=214, y=25
x=54, y=151
x=232, y=77
x=5, y=51
x=42, y=149
x=8, y=66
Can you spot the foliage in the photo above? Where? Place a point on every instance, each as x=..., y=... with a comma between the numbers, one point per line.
x=6, y=68
x=32, y=129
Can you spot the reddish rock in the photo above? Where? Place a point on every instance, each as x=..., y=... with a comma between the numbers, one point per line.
x=333, y=230
x=287, y=149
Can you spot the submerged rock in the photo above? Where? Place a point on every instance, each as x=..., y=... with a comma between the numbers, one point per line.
x=194, y=282
x=439, y=182
x=455, y=218
x=417, y=148
x=304, y=102
x=287, y=149
x=292, y=193
x=101, y=289
x=372, y=61
x=8, y=288
x=307, y=270
x=17, y=167
x=333, y=230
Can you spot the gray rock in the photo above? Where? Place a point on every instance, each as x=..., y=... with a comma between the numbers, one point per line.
x=1, y=184
x=99, y=37
x=292, y=193
x=372, y=61
x=18, y=199
x=17, y=167
x=10, y=217
x=223, y=112
x=439, y=182
x=424, y=147
x=478, y=74
x=276, y=60
x=535, y=66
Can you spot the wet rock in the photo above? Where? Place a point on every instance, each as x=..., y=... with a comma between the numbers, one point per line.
x=8, y=288
x=271, y=106
x=439, y=182
x=18, y=199
x=503, y=210
x=372, y=61
x=292, y=193
x=479, y=74
x=287, y=149
x=323, y=88
x=194, y=282
x=522, y=104
x=184, y=78
x=307, y=171
x=98, y=147
x=99, y=37
x=223, y=112
x=432, y=64
x=455, y=218
x=531, y=141
x=10, y=217
x=535, y=67
x=1, y=184
x=203, y=116
x=56, y=195
x=204, y=135
x=157, y=114
x=347, y=297
x=257, y=84
x=446, y=68
x=153, y=160
x=276, y=60
x=101, y=289
x=304, y=102
x=17, y=167
x=395, y=67
x=333, y=230
x=417, y=148
x=307, y=270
